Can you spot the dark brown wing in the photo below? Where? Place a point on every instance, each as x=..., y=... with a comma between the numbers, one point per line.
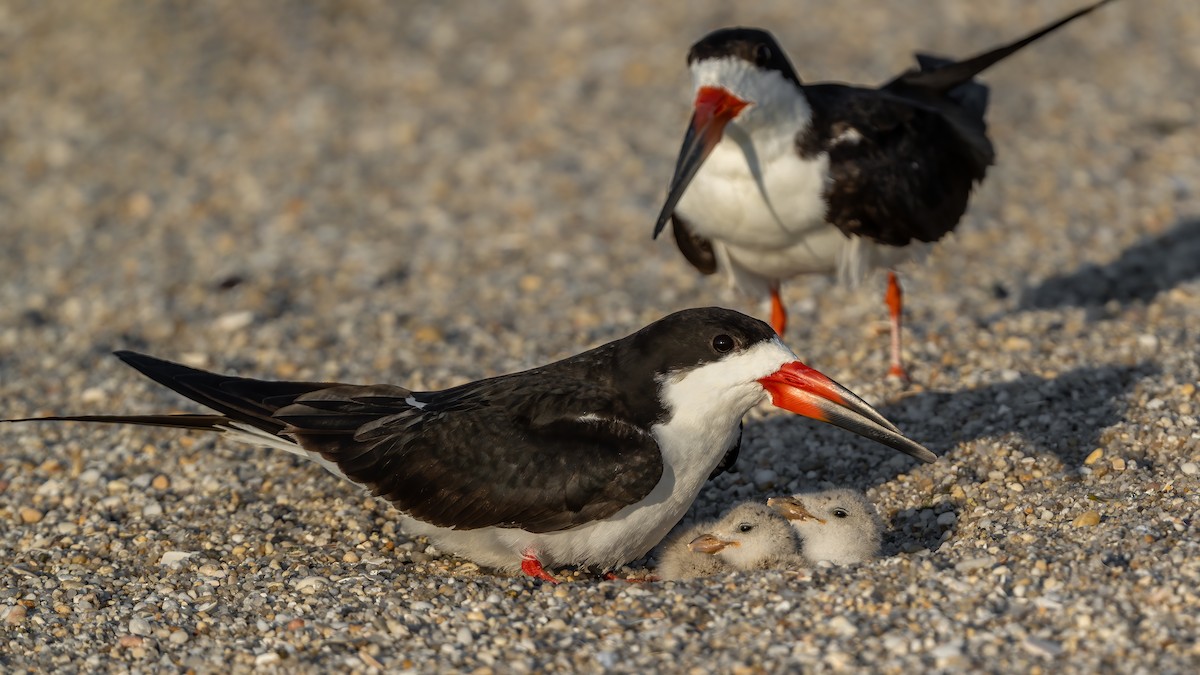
x=918, y=145
x=696, y=249
x=240, y=399
x=502, y=452
x=491, y=455
x=900, y=170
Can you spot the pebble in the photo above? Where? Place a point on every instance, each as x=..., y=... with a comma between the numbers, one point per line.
x=947, y=654
x=1043, y=648
x=764, y=479
x=15, y=615
x=234, y=321
x=372, y=662
x=972, y=564
x=30, y=515
x=174, y=557
x=1086, y=519
x=311, y=584
x=1189, y=468
x=842, y=626
x=1017, y=343
x=1094, y=456
x=139, y=626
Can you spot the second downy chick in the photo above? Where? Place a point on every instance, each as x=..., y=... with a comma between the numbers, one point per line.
x=839, y=525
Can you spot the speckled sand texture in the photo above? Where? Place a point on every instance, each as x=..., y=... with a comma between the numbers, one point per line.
x=427, y=193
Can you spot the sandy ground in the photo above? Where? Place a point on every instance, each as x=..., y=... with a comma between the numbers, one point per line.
x=427, y=193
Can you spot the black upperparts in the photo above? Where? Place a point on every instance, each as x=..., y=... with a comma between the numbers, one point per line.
x=679, y=342
x=623, y=376
x=253, y=402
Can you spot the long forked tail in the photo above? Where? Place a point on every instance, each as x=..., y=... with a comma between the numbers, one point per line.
x=947, y=76
x=238, y=399
x=175, y=421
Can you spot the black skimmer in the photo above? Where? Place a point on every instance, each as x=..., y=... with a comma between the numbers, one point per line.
x=588, y=461
x=750, y=536
x=777, y=178
x=838, y=526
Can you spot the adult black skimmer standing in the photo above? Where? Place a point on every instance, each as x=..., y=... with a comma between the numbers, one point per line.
x=838, y=525
x=751, y=536
x=587, y=461
x=777, y=178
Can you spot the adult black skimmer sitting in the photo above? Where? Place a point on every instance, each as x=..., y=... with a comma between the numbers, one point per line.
x=587, y=461
x=838, y=526
x=751, y=536
x=777, y=178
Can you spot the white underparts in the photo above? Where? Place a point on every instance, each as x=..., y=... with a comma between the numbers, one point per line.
x=761, y=203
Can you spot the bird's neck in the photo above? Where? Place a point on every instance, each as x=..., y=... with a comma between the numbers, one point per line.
x=839, y=549
x=777, y=110
x=769, y=130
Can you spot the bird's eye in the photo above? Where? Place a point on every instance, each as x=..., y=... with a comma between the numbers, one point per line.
x=745, y=527
x=841, y=513
x=762, y=55
x=722, y=343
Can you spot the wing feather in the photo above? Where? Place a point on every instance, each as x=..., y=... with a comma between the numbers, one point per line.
x=510, y=459
x=508, y=452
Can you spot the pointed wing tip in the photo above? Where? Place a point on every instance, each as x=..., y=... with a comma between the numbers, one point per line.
x=150, y=366
x=132, y=357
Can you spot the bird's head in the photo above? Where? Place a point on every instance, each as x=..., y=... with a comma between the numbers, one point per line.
x=749, y=534
x=742, y=78
x=711, y=365
x=839, y=525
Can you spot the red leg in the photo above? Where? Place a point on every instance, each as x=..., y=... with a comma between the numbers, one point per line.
x=531, y=566
x=895, y=303
x=778, y=313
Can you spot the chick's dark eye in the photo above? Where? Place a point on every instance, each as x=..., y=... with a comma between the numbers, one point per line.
x=722, y=343
x=745, y=527
x=840, y=513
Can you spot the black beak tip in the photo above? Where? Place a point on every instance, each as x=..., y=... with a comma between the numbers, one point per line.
x=921, y=453
x=658, y=226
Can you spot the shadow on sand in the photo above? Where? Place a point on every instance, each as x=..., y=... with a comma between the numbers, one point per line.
x=1140, y=273
x=1064, y=415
